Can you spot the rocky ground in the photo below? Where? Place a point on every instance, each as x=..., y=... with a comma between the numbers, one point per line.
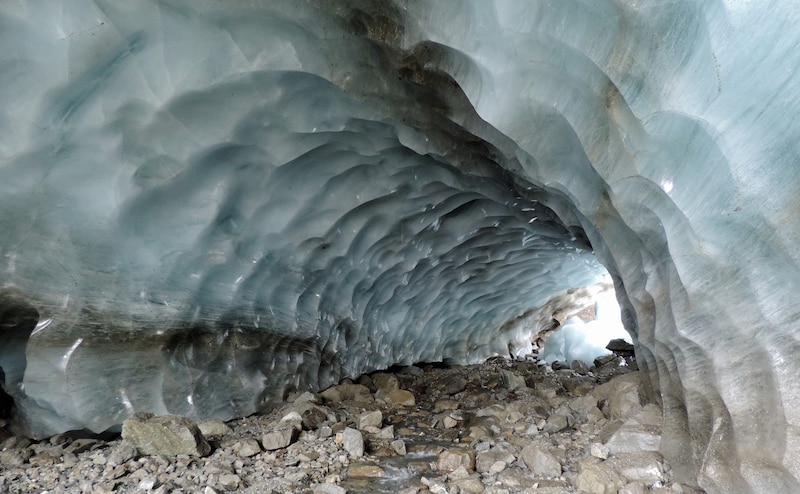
x=500, y=427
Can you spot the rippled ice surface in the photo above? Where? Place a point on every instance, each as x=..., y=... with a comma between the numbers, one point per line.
x=186, y=236
x=203, y=202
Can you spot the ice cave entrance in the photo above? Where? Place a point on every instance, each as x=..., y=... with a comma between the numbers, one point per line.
x=585, y=334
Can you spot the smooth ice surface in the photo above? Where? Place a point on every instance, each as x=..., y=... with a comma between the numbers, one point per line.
x=206, y=204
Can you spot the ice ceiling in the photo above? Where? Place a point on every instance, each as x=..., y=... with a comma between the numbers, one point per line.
x=205, y=205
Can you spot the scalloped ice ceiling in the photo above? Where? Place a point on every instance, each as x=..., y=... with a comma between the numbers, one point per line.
x=205, y=205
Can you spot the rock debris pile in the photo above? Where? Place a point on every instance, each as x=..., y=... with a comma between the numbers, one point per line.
x=499, y=427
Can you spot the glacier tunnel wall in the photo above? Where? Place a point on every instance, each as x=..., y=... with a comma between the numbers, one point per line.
x=204, y=206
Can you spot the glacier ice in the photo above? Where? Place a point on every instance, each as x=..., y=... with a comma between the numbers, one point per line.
x=583, y=340
x=205, y=205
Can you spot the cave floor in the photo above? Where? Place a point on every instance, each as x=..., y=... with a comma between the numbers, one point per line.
x=499, y=427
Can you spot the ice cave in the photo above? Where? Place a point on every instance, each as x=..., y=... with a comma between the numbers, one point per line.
x=206, y=205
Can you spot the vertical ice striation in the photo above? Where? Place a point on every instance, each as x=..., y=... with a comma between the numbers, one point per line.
x=204, y=205
x=671, y=127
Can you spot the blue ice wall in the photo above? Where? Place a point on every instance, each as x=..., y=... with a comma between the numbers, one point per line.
x=273, y=195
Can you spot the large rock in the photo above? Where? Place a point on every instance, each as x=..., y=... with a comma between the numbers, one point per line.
x=516, y=480
x=313, y=418
x=370, y=419
x=513, y=381
x=454, y=458
x=598, y=478
x=279, y=438
x=643, y=466
x=385, y=382
x=246, y=448
x=353, y=442
x=542, y=463
x=486, y=459
x=621, y=396
x=165, y=435
x=327, y=488
x=642, y=432
x=469, y=486
x=213, y=428
x=368, y=470
x=400, y=397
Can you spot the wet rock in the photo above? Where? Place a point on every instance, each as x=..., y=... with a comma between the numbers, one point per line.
x=409, y=490
x=366, y=470
x=399, y=446
x=386, y=432
x=328, y=488
x=436, y=486
x=458, y=474
x=165, y=435
x=540, y=462
x=453, y=458
x=353, y=442
x=448, y=422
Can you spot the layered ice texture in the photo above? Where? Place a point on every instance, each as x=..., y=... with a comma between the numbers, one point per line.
x=206, y=205
x=586, y=340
